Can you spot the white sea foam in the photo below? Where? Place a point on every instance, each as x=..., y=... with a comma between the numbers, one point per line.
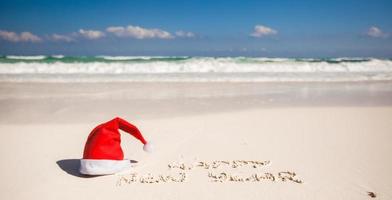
x=26, y=57
x=58, y=56
x=203, y=69
x=120, y=58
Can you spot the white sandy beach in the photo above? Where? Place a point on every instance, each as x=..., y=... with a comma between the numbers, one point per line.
x=335, y=137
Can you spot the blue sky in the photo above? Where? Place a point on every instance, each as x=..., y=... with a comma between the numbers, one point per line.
x=274, y=28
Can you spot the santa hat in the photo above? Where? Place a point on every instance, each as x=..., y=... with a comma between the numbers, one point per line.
x=102, y=152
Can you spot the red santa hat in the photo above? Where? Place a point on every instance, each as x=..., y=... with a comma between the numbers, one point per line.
x=102, y=152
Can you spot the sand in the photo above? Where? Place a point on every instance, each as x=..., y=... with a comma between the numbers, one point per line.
x=210, y=138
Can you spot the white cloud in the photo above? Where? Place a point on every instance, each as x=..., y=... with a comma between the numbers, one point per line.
x=138, y=32
x=22, y=37
x=29, y=37
x=261, y=31
x=91, y=34
x=376, y=32
x=185, y=34
x=62, y=38
x=9, y=36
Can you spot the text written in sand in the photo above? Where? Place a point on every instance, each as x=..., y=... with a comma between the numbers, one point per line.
x=217, y=171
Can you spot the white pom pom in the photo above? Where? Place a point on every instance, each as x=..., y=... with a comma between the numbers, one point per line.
x=148, y=147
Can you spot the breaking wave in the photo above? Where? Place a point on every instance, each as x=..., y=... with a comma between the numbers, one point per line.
x=144, y=68
x=26, y=57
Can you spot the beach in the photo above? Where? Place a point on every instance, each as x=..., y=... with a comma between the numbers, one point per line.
x=307, y=140
x=194, y=100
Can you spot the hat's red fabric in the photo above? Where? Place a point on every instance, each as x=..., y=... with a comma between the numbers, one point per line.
x=104, y=140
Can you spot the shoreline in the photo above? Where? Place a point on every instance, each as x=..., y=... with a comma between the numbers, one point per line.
x=63, y=101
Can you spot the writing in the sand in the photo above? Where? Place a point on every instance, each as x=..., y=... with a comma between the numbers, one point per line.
x=218, y=171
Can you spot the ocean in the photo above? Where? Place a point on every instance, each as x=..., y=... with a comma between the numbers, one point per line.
x=59, y=68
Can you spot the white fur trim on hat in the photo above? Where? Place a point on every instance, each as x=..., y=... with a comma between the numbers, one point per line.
x=148, y=147
x=103, y=167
